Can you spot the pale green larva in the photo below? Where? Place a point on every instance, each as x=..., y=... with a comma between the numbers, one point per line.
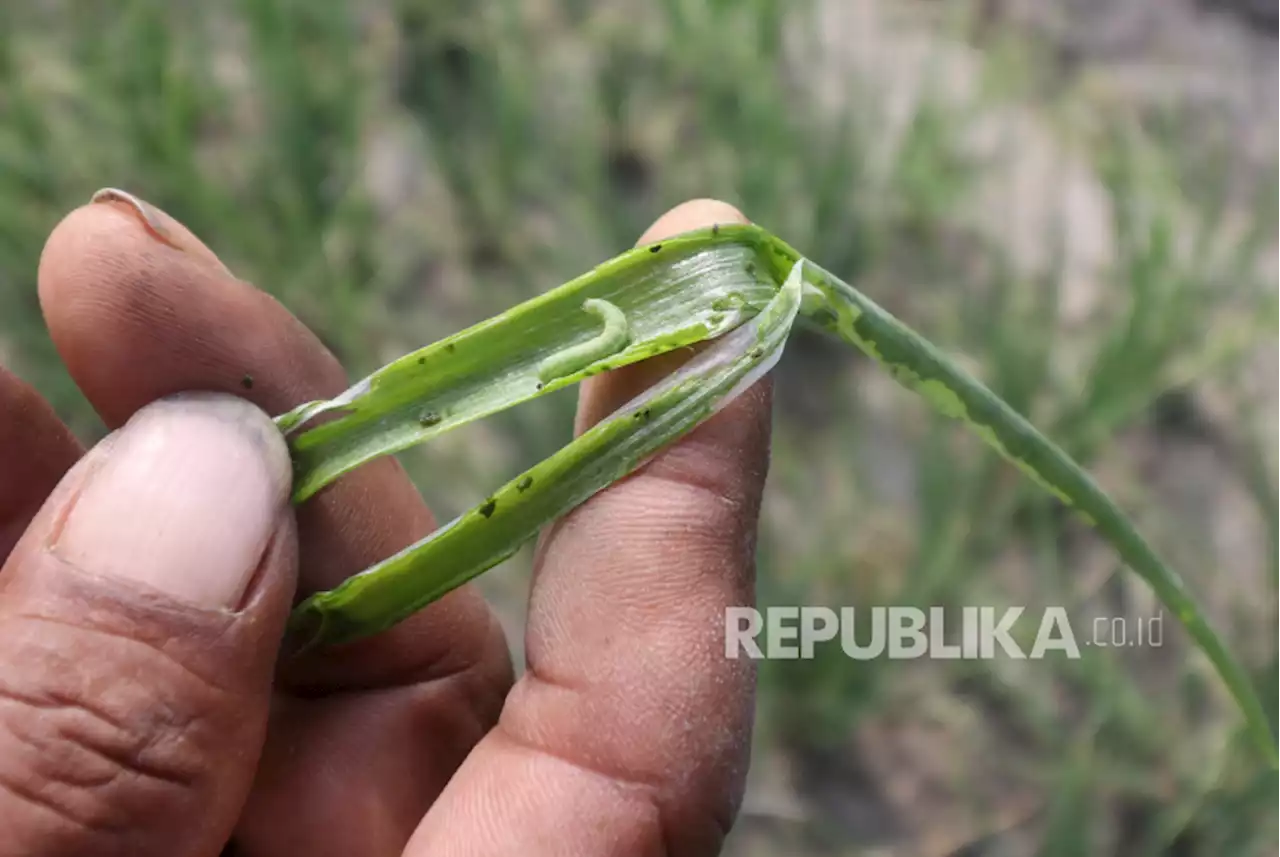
x=615, y=337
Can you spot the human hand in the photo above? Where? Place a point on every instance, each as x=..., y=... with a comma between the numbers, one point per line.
x=147, y=581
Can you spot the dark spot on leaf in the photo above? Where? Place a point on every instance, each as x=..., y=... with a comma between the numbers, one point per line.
x=539, y=387
x=655, y=248
x=757, y=353
x=715, y=229
x=488, y=508
x=422, y=361
x=524, y=484
x=751, y=268
x=429, y=418
x=825, y=318
x=247, y=381
x=450, y=347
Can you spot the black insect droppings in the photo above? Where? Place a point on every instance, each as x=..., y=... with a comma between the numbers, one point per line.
x=488, y=507
x=751, y=268
x=524, y=484
x=450, y=347
x=715, y=229
x=539, y=387
x=655, y=248
x=247, y=381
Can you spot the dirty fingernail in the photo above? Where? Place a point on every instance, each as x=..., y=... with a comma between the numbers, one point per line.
x=159, y=225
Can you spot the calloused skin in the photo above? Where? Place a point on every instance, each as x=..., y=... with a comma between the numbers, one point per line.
x=132, y=723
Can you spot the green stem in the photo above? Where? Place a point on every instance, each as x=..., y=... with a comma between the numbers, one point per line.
x=918, y=365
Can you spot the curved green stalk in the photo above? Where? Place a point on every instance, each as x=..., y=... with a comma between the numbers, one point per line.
x=701, y=285
x=481, y=538
x=915, y=363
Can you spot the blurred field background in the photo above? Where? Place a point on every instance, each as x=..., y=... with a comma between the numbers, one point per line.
x=1077, y=197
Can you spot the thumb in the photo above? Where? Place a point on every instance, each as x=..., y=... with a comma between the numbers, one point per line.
x=140, y=616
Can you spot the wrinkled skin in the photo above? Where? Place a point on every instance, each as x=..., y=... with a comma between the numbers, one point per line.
x=134, y=721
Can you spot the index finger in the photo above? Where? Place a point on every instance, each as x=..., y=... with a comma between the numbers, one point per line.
x=630, y=730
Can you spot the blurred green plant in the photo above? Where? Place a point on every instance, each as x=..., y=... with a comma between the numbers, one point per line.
x=524, y=142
